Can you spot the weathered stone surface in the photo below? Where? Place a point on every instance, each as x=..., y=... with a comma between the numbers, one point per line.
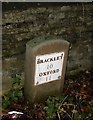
x=39, y=87
x=11, y=66
x=19, y=26
x=22, y=23
x=0, y=76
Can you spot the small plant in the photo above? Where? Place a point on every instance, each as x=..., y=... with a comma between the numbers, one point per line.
x=65, y=107
x=51, y=109
x=15, y=92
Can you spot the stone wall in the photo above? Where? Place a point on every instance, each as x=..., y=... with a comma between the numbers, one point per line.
x=22, y=22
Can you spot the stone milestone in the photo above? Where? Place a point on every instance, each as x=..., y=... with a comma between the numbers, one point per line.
x=45, y=67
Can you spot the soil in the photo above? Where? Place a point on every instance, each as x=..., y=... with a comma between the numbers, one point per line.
x=80, y=86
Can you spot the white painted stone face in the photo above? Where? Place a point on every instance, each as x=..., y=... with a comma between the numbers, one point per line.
x=48, y=67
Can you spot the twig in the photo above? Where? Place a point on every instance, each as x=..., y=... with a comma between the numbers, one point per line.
x=58, y=116
x=67, y=114
x=62, y=102
x=64, y=99
x=60, y=106
x=63, y=110
x=68, y=104
x=73, y=111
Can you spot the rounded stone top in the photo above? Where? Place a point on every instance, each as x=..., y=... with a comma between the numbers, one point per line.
x=45, y=39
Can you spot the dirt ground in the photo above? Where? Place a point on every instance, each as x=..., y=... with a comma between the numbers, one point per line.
x=76, y=104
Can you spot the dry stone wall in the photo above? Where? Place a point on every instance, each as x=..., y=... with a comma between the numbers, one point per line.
x=22, y=22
